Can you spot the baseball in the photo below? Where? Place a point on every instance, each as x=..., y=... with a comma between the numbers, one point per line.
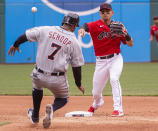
x=34, y=9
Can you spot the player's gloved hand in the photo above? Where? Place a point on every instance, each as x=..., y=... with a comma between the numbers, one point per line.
x=117, y=29
x=12, y=50
x=81, y=88
x=81, y=32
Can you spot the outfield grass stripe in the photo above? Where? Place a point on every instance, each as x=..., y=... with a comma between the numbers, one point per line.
x=136, y=79
x=4, y=123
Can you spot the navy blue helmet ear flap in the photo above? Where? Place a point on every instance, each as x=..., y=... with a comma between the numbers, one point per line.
x=71, y=19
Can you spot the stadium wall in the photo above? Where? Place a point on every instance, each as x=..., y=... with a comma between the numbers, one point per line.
x=2, y=31
x=134, y=14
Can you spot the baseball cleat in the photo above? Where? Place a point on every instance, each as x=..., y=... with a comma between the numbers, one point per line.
x=91, y=109
x=48, y=116
x=117, y=113
x=32, y=119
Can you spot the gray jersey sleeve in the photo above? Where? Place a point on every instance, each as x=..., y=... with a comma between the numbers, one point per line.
x=33, y=34
x=77, y=56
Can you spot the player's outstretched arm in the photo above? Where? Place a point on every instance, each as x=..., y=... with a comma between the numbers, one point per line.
x=15, y=47
x=81, y=88
x=12, y=50
x=82, y=31
x=77, y=77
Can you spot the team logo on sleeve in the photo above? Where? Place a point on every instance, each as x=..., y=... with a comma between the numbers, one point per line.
x=74, y=6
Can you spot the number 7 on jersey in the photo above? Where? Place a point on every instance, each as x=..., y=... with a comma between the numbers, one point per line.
x=58, y=47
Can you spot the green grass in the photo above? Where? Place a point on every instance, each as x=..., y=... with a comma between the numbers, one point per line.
x=136, y=79
x=4, y=123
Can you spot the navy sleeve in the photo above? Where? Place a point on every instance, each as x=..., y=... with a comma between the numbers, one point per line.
x=77, y=75
x=21, y=39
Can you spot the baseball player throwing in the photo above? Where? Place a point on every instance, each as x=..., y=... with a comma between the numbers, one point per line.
x=57, y=47
x=107, y=36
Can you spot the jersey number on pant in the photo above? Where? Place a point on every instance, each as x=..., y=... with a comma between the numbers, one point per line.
x=58, y=47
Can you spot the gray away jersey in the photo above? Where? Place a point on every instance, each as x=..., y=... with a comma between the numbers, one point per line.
x=56, y=48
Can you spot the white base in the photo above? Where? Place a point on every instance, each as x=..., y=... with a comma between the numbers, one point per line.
x=79, y=114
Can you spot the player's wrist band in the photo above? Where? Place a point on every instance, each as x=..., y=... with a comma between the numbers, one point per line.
x=128, y=37
x=21, y=39
x=16, y=44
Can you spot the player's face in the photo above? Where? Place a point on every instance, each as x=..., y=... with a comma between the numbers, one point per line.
x=156, y=22
x=73, y=28
x=106, y=14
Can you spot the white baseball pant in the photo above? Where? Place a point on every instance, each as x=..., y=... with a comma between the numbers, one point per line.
x=104, y=69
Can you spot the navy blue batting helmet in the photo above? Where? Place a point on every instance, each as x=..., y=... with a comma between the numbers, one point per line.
x=71, y=19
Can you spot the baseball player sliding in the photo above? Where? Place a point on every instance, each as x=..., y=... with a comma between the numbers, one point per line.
x=57, y=47
x=107, y=36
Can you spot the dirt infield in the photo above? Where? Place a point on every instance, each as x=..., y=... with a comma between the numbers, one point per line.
x=141, y=114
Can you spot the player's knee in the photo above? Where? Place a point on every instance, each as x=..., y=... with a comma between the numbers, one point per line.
x=114, y=80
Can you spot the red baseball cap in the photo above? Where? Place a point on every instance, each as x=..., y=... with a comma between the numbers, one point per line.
x=155, y=18
x=105, y=6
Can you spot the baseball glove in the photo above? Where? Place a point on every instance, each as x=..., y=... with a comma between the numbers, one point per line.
x=117, y=29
